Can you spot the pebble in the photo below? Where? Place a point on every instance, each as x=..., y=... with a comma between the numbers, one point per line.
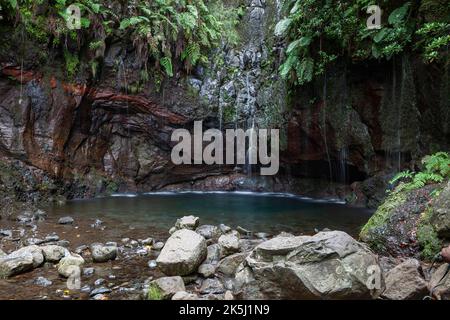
x=43, y=282
x=99, y=297
x=142, y=251
x=97, y=224
x=99, y=282
x=152, y=264
x=51, y=237
x=6, y=233
x=147, y=242
x=158, y=246
x=100, y=290
x=81, y=248
x=86, y=289
x=224, y=228
x=88, y=272
x=66, y=220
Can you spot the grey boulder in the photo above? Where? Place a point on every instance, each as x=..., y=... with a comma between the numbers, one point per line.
x=103, y=253
x=405, y=282
x=328, y=265
x=183, y=252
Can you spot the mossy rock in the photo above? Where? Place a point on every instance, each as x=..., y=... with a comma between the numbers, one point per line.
x=401, y=225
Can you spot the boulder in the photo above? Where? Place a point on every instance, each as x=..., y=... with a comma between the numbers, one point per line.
x=13, y=265
x=66, y=265
x=229, y=243
x=158, y=246
x=441, y=213
x=206, y=270
x=212, y=286
x=35, y=251
x=65, y=220
x=165, y=287
x=445, y=254
x=328, y=265
x=439, y=285
x=183, y=295
x=208, y=231
x=54, y=253
x=224, y=228
x=103, y=253
x=229, y=265
x=214, y=254
x=187, y=222
x=183, y=252
x=405, y=282
x=42, y=282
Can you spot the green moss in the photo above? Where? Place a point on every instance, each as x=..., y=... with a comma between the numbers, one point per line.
x=72, y=63
x=383, y=212
x=229, y=113
x=427, y=237
x=154, y=293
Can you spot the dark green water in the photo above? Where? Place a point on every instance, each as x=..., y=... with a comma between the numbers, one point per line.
x=271, y=213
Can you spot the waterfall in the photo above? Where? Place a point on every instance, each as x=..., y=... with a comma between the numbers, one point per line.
x=324, y=125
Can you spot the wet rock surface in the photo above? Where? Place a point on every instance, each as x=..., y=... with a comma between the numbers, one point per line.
x=327, y=265
x=183, y=253
x=405, y=282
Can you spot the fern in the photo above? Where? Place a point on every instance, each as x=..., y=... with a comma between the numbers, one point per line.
x=436, y=169
x=191, y=53
x=401, y=175
x=166, y=63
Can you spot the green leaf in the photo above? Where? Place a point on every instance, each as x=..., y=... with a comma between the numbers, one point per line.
x=282, y=26
x=381, y=35
x=399, y=14
x=166, y=63
x=295, y=7
x=302, y=42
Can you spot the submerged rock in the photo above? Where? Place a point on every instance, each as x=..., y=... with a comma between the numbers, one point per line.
x=405, y=282
x=183, y=252
x=328, y=265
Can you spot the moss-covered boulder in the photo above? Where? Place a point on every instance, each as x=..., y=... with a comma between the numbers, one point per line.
x=402, y=226
x=440, y=216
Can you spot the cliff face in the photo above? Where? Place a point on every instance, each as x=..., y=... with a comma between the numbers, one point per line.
x=358, y=122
